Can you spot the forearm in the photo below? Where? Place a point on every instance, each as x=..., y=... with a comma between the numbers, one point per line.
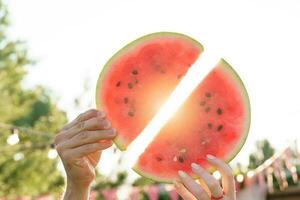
x=76, y=193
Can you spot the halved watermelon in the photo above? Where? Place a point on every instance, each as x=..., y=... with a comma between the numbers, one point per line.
x=139, y=78
x=214, y=120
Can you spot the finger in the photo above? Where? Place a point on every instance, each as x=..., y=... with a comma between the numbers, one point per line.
x=192, y=186
x=227, y=176
x=67, y=129
x=209, y=180
x=183, y=192
x=86, y=150
x=83, y=117
x=87, y=137
x=96, y=123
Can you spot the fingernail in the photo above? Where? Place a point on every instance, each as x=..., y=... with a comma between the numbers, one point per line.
x=195, y=166
x=210, y=157
x=182, y=174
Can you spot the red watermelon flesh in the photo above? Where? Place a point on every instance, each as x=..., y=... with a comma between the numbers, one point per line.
x=214, y=120
x=138, y=79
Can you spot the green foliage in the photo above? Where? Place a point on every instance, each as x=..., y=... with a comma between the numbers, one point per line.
x=25, y=168
x=144, y=196
x=103, y=182
x=264, y=151
x=163, y=195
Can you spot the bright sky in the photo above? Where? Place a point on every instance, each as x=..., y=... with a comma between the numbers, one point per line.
x=72, y=40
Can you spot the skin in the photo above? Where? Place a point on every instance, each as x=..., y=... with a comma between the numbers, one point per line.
x=80, y=143
x=210, y=187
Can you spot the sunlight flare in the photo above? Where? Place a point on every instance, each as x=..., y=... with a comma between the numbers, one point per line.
x=194, y=76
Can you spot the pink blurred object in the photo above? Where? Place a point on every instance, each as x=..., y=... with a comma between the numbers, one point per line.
x=261, y=180
x=93, y=195
x=153, y=192
x=173, y=194
x=237, y=186
x=135, y=193
x=255, y=189
x=253, y=192
x=45, y=197
x=287, y=160
x=110, y=194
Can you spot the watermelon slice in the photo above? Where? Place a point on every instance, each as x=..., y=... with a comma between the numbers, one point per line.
x=214, y=120
x=138, y=79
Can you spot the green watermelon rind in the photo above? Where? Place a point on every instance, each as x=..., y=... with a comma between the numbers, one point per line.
x=237, y=149
x=118, y=140
x=247, y=104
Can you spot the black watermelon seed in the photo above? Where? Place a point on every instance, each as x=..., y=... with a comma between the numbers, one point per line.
x=135, y=72
x=181, y=159
x=207, y=109
x=158, y=158
x=208, y=95
x=126, y=100
x=162, y=71
x=202, y=103
x=118, y=83
x=209, y=125
x=130, y=85
x=136, y=81
x=220, y=127
x=179, y=76
x=219, y=111
x=130, y=113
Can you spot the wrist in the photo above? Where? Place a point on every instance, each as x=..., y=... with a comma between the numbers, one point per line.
x=76, y=191
x=81, y=186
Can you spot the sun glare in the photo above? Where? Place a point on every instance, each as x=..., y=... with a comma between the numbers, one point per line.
x=194, y=76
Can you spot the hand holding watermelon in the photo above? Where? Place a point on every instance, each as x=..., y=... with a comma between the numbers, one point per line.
x=131, y=88
x=79, y=145
x=210, y=187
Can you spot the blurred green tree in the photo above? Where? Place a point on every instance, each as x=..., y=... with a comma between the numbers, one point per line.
x=104, y=182
x=264, y=151
x=25, y=168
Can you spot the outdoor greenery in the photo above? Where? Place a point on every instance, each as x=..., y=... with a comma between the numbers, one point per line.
x=264, y=151
x=25, y=168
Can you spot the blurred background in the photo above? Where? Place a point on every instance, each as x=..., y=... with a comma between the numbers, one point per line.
x=51, y=53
